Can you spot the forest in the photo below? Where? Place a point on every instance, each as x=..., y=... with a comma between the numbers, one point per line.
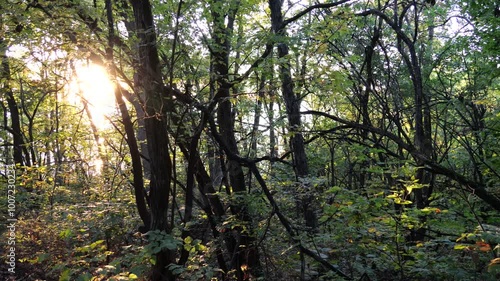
x=250, y=140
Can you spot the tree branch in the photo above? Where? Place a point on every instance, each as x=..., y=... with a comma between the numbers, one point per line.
x=474, y=187
x=308, y=9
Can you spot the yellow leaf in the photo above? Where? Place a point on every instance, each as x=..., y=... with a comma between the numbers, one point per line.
x=494, y=266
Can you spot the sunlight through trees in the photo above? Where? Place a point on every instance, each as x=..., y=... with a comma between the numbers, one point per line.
x=250, y=140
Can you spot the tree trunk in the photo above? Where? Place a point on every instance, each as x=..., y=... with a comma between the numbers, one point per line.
x=156, y=131
x=137, y=172
x=364, y=98
x=136, y=101
x=15, y=117
x=423, y=137
x=245, y=253
x=292, y=103
x=422, y=118
x=252, y=153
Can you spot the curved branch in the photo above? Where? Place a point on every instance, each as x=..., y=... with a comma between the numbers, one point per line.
x=474, y=187
x=390, y=22
x=284, y=221
x=308, y=9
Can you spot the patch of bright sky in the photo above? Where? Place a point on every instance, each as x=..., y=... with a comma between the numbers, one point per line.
x=90, y=83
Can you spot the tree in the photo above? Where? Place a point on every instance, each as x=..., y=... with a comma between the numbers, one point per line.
x=330, y=140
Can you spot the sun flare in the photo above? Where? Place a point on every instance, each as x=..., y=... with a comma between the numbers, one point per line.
x=93, y=86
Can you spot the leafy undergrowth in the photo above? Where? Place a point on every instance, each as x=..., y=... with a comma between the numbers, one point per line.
x=77, y=240
x=82, y=236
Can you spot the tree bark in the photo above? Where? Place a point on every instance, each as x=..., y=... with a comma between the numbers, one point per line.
x=137, y=172
x=292, y=103
x=422, y=118
x=156, y=131
x=15, y=117
x=245, y=253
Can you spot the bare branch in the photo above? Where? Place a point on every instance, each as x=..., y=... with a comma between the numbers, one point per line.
x=308, y=9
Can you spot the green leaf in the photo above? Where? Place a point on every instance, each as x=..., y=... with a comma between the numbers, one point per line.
x=65, y=275
x=460, y=246
x=402, y=201
x=66, y=233
x=175, y=268
x=84, y=277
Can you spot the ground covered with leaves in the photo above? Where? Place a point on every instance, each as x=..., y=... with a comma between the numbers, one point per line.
x=75, y=234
